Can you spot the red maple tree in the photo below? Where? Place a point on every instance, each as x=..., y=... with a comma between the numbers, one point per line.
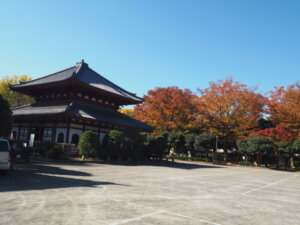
x=278, y=133
x=169, y=108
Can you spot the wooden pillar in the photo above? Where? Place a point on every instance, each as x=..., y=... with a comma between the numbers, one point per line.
x=54, y=132
x=99, y=131
x=37, y=130
x=83, y=127
x=29, y=131
x=42, y=130
x=68, y=130
x=19, y=132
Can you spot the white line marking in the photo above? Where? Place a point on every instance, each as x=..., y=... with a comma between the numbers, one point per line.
x=164, y=197
x=201, y=175
x=272, y=199
x=139, y=217
x=191, y=218
x=268, y=185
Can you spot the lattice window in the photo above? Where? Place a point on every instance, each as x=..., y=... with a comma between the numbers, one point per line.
x=47, y=134
x=23, y=133
x=60, y=138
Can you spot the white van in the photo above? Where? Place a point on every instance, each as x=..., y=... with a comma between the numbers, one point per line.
x=5, y=163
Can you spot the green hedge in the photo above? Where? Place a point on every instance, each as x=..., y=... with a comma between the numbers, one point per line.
x=243, y=163
x=182, y=157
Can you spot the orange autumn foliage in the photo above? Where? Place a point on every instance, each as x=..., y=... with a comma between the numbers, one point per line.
x=283, y=106
x=168, y=108
x=229, y=109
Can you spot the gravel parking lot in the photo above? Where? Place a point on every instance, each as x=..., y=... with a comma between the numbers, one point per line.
x=153, y=193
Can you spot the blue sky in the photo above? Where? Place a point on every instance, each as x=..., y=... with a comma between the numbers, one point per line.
x=141, y=44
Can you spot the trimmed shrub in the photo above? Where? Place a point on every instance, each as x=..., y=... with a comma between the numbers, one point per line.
x=54, y=152
x=89, y=144
x=204, y=142
x=50, y=150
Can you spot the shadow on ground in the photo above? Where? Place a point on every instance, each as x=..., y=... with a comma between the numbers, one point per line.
x=33, y=176
x=176, y=164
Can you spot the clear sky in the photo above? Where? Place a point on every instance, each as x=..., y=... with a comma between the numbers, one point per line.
x=141, y=44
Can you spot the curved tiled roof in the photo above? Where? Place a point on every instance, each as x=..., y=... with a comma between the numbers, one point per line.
x=84, y=74
x=55, y=77
x=106, y=115
x=83, y=110
x=40, y=109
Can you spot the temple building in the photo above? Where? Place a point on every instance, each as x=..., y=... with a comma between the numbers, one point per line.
x=69, y=102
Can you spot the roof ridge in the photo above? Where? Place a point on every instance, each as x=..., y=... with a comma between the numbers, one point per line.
x=80, y=66
x=121, y=89
x=45, y=76
x=22, y=106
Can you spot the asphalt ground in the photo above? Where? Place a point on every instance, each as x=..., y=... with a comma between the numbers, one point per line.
x=153, y=193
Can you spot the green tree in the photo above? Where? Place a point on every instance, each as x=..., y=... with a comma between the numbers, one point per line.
x=115, y=135
x=176, y=140
x=134, y=142
x=243, y=147
x=5, y=118
x=89, y=144
x=189, y=142
x=285, y=152
x=260, y=144
x=296, y=145
x=204, y=142
x=157, y=145
x=115, y=143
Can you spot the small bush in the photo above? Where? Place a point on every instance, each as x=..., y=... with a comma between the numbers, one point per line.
x=49, y=150
x=281, y=164
x=89, y=144
x=244, y=163
x=55, y=152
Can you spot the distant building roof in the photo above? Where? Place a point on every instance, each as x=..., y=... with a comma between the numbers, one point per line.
x=83, y=74
x=81, y=110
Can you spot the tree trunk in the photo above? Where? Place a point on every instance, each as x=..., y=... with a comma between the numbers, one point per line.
x=225, y=154
x=286, y=163
x=292, y=162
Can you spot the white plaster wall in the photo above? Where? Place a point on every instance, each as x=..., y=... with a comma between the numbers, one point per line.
x=61, y=130
x=14, y=129
x=102, y=135
x=74, y=131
